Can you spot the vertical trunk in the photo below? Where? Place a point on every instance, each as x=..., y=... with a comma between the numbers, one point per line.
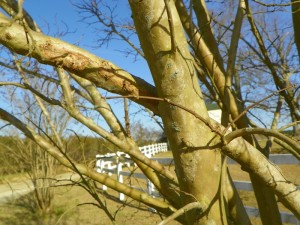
x=296, y=22
x=198, y=164
x=234, y=108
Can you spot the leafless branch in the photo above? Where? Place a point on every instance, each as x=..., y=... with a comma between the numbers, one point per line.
x=191, y=206
x=267, y=132
x=254, y=104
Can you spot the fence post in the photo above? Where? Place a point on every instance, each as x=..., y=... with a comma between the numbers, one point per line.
x=100, y=167
x=150, y=187
x=119, y=176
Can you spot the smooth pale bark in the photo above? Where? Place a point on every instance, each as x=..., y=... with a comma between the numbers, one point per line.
x=254, y=162
x=206, y=32
x=208, y=60
x=265, y=197
x=198, y=163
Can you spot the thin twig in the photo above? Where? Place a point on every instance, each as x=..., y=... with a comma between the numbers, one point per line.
x=289, y=125
x=194, y=205
x=275, y=4
x=217, y=130
x=252, y=105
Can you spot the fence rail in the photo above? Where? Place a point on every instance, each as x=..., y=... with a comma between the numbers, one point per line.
x=113, y=163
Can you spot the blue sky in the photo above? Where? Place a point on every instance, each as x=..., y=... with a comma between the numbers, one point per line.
x=54, y=15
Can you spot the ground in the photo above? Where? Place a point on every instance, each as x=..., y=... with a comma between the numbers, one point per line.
x=73, y=205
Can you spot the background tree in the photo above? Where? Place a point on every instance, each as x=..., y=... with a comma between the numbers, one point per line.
x=179, y=54
x=22, y=154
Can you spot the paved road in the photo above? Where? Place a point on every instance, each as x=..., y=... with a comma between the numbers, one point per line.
x=12, y=191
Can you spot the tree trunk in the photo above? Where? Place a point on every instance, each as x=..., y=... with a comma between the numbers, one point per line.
x=296, y=22
x=197, y=161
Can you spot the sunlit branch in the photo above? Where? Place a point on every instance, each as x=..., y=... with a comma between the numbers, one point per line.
x=171, y=27
x=69, y=106
x=235, y=39
x=101, y=106
x=126, y=147
x=191, y=206
x=208, y=59
x=52, y=51
x=127, y=118
x=204, y=20
x=15, y=10
x=267, y=132
x=84, y=170
x=12, y=84
x=256, y=163
x=48, y=118
x=287, y=147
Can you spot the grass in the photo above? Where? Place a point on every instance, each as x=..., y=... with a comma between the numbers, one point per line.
x=73, y=205
x=13, y=177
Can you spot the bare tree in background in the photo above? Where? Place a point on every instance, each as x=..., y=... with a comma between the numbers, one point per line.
x=183, y=44
x=27, y=155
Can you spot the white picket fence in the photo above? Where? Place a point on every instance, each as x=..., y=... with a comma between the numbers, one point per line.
x=113, y=163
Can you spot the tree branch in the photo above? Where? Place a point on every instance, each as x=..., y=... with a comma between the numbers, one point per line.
x=159, y=205
x=267, y=132
x=194, y=205
x=171, y=27
x=52, y=51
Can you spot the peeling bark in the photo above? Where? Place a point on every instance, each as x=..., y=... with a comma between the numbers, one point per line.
x=55, y=52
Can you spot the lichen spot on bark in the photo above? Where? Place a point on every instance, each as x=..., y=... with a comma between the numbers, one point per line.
x=172, y=70
x=211, y=222
x=148, y=18
x=175, y=127
x=216, y=167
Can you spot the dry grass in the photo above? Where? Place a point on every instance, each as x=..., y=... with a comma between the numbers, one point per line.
x=129, y=212
x=73, y=205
